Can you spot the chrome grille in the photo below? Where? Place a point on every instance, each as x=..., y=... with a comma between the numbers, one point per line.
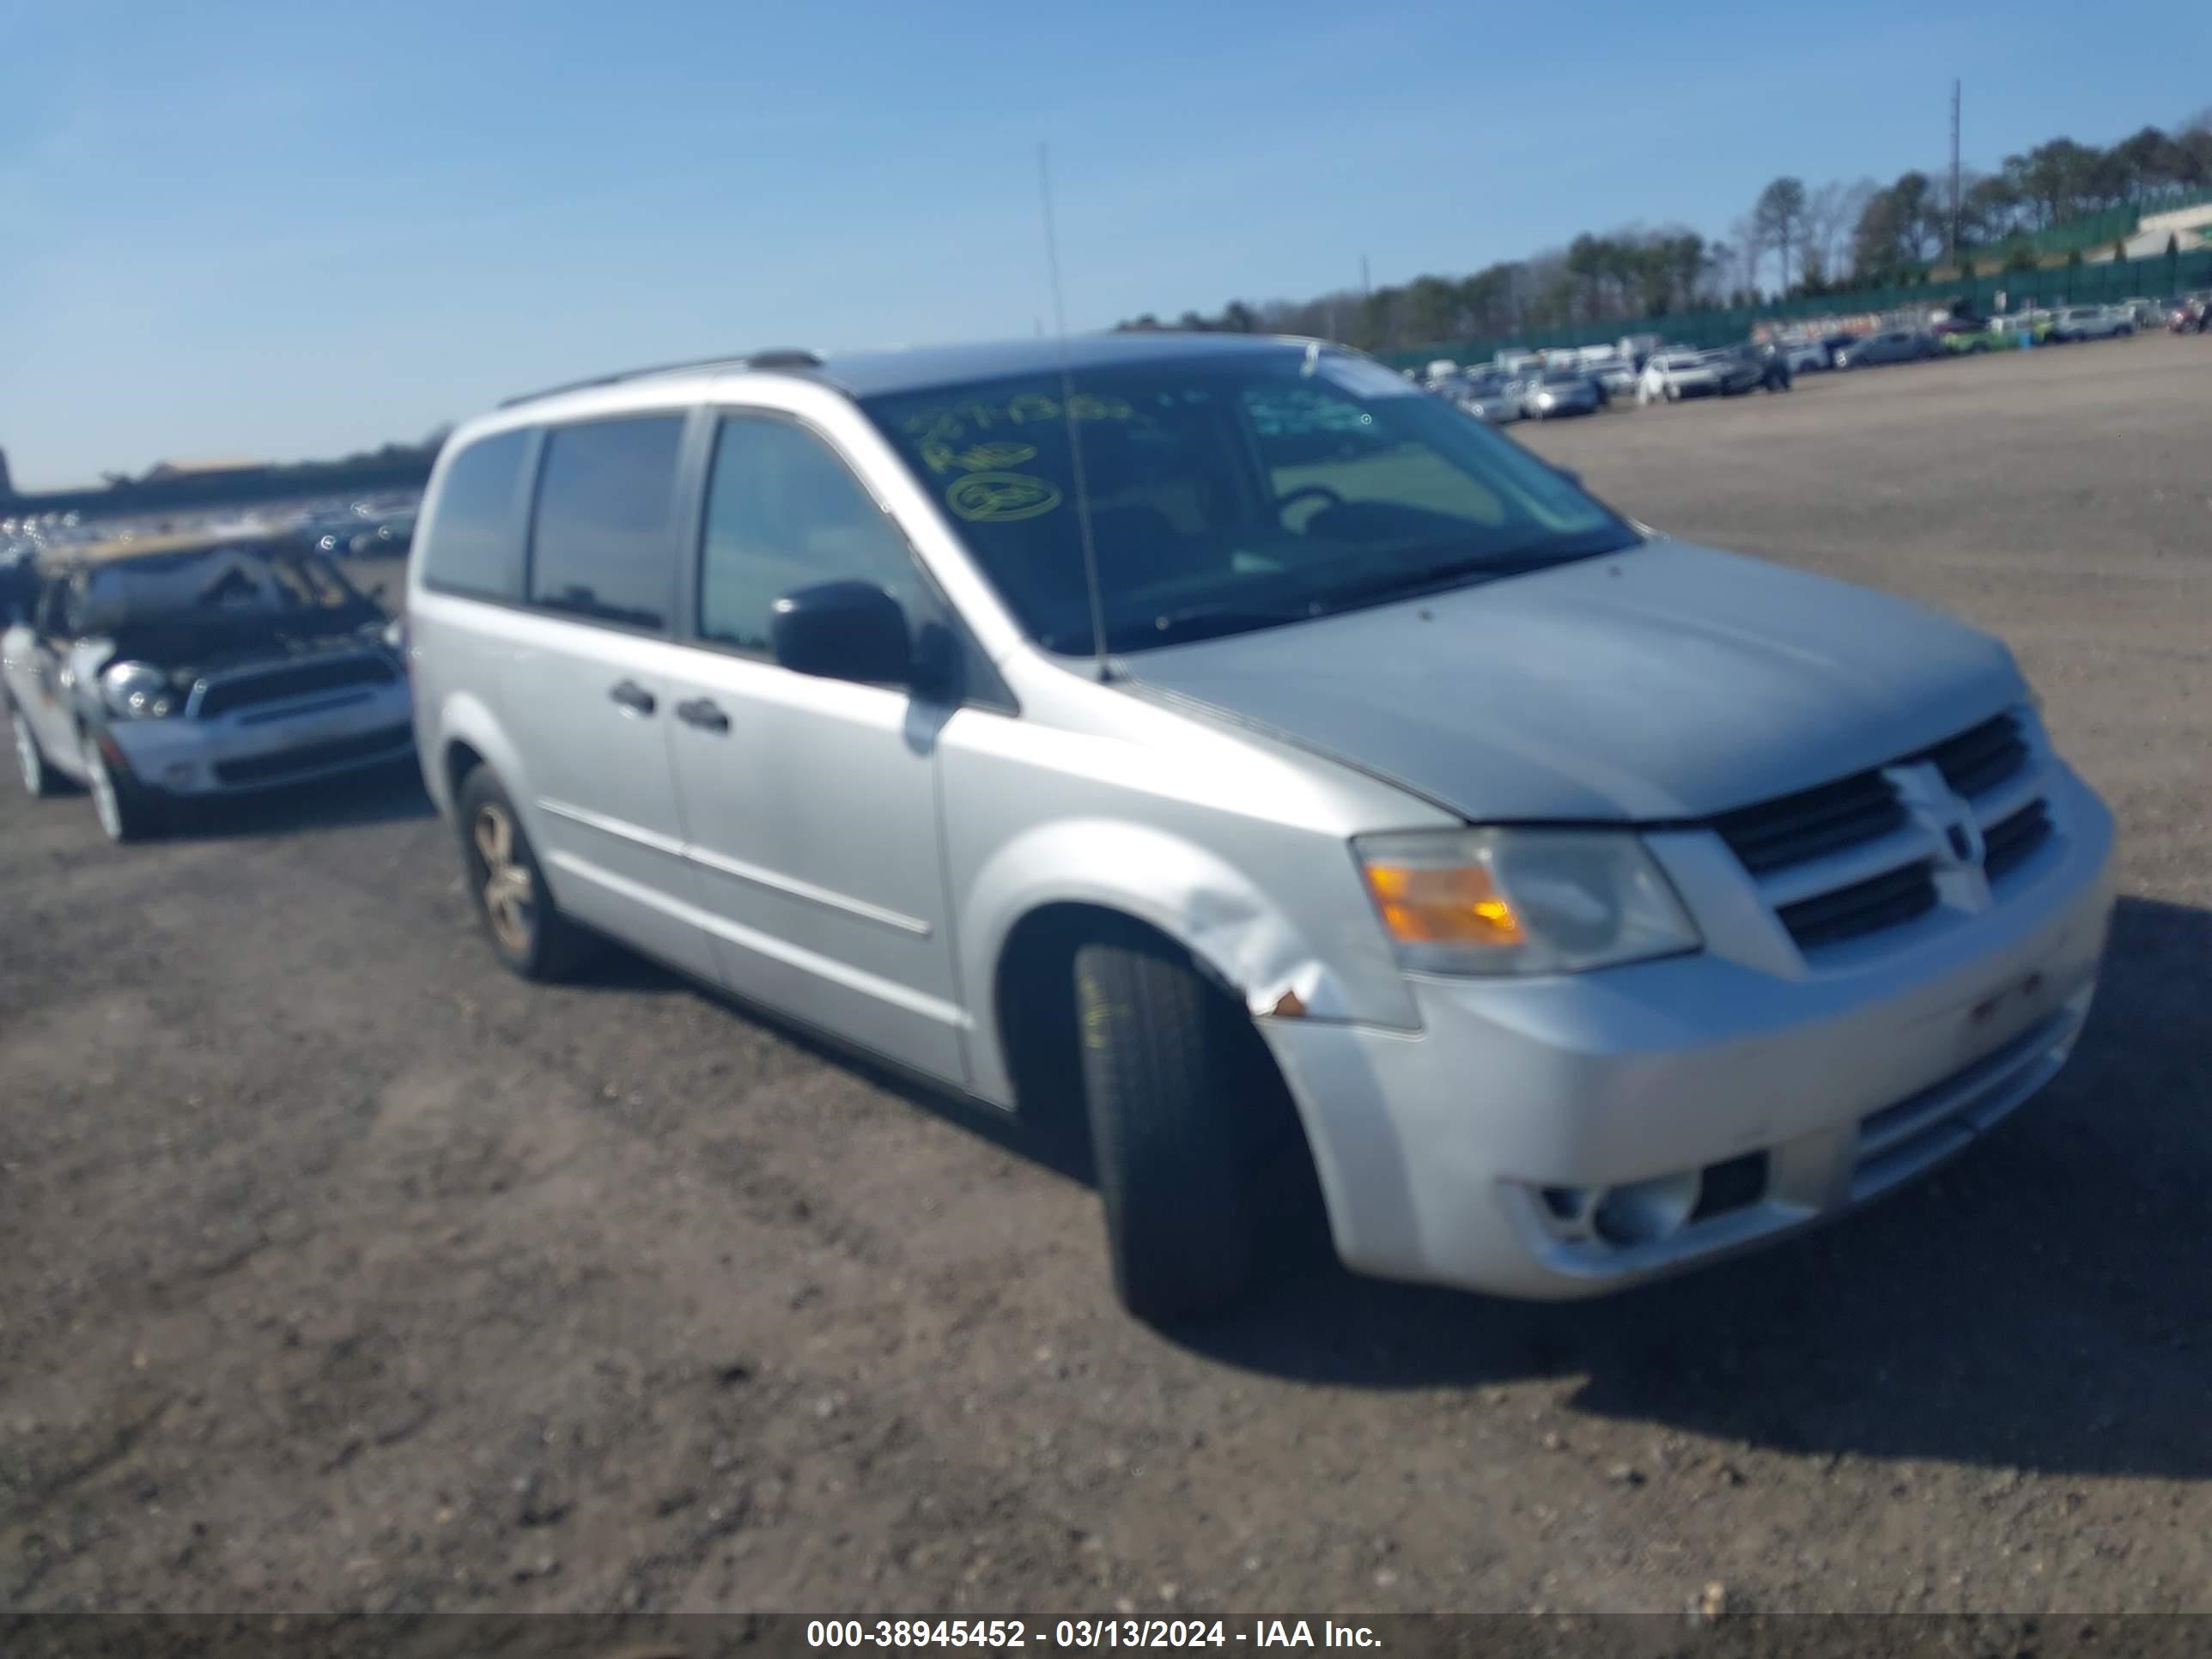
x=1889, y=899
x=298, y=679
x=1797, y=828
x=1974, y=763
x=1879, y=849
x=2007, y=845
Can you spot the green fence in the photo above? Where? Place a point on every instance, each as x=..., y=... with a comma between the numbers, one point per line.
x=2171, y=201
x=2086, y=232
x=2084, y=284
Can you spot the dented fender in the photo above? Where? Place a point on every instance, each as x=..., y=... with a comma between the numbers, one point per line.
x=1258, y=947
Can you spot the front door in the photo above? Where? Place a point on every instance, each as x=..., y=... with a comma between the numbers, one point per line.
x=812, y=804
x=49, y=704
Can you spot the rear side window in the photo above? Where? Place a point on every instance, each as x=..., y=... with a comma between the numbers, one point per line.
x=473, y=547
x=603, y=545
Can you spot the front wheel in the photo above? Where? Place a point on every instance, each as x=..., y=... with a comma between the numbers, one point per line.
x=38, y=778
x=1179, y=1089
x=127, y=811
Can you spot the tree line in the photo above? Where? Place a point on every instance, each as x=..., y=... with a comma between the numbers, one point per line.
x=1793, y=240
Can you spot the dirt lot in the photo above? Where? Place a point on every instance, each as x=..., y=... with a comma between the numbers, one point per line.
x=337, y=1270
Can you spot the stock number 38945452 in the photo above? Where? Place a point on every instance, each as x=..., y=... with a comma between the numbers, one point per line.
x=1015, y=1633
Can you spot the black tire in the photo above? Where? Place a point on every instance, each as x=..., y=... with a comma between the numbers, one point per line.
x=127, y=810
x=1178, y=1089
x=528, y=932
x=40, y=780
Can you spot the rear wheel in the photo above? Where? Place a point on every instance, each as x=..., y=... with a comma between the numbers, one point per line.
x=528, y=934
x=38, y=778
x=1187, y=1112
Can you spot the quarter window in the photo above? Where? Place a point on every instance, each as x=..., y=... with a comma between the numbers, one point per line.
x=603, y=545
x=784, y=513
x=473, y=546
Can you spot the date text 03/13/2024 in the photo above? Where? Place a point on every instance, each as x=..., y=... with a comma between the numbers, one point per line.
x=1087, y=1633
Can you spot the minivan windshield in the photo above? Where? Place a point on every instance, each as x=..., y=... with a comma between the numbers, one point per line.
x=1231, y=494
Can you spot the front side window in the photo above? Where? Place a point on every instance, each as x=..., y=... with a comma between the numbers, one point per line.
x=474, y=547
x=784, y=513
x=603, y=540
x=1225, y=494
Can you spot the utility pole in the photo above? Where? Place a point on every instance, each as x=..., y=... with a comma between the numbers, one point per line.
x=1956, y=204
x=1366, y=289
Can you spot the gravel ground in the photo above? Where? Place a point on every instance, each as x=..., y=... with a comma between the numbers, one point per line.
x=339, y=1270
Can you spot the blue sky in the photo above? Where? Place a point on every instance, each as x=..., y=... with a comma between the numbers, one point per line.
x=297, y=229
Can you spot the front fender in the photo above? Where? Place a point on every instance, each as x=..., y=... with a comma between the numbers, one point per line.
x=1187, y=893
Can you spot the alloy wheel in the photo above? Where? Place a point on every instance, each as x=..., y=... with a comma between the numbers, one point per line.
x=507, y=890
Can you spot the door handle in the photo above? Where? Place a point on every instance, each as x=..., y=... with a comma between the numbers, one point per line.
x=633, y=697
x=703, y=714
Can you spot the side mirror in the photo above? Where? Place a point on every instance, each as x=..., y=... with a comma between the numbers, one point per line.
x=844, y=631
x=395, y=634
x=1570, y=474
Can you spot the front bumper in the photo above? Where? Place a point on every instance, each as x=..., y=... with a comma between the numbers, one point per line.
x=1471, y=1153
x=270, y=746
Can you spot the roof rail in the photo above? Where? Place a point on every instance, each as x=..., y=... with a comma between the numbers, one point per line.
x=780, y=359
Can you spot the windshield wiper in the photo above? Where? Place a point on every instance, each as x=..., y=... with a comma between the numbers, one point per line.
x=1431, y=578
x=1202, y=621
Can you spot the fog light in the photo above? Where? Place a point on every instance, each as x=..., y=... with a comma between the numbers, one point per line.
x=1646, y=1211
x=182, y=775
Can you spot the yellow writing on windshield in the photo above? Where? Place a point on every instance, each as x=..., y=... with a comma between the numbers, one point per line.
x=999, y=497
x=977, y=457
x=955, y=421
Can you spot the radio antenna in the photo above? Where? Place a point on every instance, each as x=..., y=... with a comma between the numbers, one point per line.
x=1074, y=435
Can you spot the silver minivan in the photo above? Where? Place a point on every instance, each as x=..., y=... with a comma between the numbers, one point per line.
x=1216, y=743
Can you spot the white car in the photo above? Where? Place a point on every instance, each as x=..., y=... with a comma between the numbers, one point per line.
x=198, y=665
x=1674, y=375
x=1488, y=395
x=2092, y=323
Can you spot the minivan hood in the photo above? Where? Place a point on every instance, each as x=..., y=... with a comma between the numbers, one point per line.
x=1665, y=682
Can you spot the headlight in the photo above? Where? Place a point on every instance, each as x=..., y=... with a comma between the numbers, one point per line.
x=137, y=690
x=1523, y=901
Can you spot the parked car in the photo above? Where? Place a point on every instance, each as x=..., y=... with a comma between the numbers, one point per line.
x=1967, y=342
x=388, y=539
x=1228, y=775
x=19, y=581
x=2189, y=317
x=1489, y=395
x=2091, y=323
x=1559, y=391
x=1802, y=356
x=1674, y=375
x=1896, y=345
x=1616, y=377
x=1766, y=363
x=198, y=666
x=2027, y=327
